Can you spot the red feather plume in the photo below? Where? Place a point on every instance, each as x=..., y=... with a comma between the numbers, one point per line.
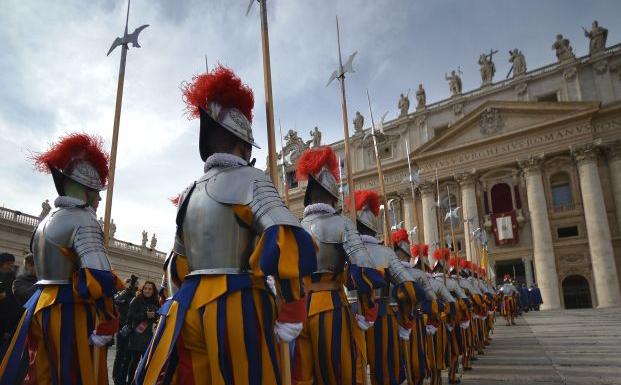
x=453, y=262
x=313, y=159
x=446, y=253
x=437, y=254
x=72, y=147
x=464, y=264
x=399, y=236
x=220, y=85
x=414, y=250
x=175, y=200
x=425, y=249
x=366, y=197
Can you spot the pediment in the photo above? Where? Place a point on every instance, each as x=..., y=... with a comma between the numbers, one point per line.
x=494, y=120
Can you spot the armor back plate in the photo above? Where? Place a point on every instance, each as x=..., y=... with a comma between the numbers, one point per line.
x=211, y=236
x=327, y=229
x=65, y=240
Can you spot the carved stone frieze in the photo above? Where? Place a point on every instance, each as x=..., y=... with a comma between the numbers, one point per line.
x=490, y=122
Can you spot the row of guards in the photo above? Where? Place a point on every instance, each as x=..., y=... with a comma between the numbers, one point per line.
x=250, y=287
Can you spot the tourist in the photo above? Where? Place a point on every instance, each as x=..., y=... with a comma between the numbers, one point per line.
x=24, y=285
x=9, y=309
x=141, y=317
x=122, y=300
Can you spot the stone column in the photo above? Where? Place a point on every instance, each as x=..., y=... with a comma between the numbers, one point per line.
x=598, y=230
x=408, y=213
x=545, y=261
x=470, y=212
x=528, y=271
x=430, y=222
x=614, y=164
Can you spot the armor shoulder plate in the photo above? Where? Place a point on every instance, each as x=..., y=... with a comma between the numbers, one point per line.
x=385, y=258
x=325, y=227
x=353, y=245
x=250, y=186
x=88, y=242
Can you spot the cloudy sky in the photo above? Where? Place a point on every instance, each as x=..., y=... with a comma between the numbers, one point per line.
x=55, y=76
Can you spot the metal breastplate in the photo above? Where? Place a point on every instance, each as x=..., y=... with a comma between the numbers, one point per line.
x=215, y=241
x=327, y=230
x=441, y=291
x=53, y=235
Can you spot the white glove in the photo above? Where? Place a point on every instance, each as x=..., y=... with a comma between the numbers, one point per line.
x=465, y=324
x=450, y=328
x=286, y=331
x=490, y=312
x=271, y=283
x=431, y=329
x=100, y=341
x=404, y=333
x=363, y=324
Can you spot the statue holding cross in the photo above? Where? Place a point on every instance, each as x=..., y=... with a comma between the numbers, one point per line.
x=488, y=69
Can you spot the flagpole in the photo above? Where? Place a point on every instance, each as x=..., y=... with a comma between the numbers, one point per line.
x=269, y=102
x=348, y=166
x=380, y=176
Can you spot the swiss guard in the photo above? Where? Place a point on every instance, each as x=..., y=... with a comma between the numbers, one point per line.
x=71, y=317
x=438, y=332
x=382, y=340
x=414, y=258
x=223, y=324
x=509, y=297
x=331, y=343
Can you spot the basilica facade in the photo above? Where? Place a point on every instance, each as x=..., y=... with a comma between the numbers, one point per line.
x=534, y=161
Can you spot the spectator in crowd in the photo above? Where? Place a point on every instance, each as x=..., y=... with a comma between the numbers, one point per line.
x=537, y=300
x=122, y=299
x=524, y=298
x=9, y=309
x=24, y=285
x=142, y=316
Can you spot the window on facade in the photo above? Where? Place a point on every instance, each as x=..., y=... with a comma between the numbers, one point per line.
x=561, y=189
x=551, y=97
x=292, y=181
x=566, y=232
x=501, y=198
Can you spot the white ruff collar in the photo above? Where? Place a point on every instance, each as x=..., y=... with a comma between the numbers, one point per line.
x=224, y=160
x=319, y=208
x=369, y=239
x=65, y=201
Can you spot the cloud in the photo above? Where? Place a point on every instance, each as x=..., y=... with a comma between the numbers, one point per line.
x=57, y=78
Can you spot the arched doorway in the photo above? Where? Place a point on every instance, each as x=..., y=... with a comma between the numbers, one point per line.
x=576, y=292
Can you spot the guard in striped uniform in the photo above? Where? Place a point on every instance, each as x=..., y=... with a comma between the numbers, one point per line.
x=332, y=340
x=382, y=340
x=509, y=298
x=438, y=332
x=71, y=317
x=223, y=324
x=415, y=341
x=461, y=322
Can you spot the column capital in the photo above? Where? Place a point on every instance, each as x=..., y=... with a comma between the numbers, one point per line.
x=427, y=188
x=613, y=149
x=587, y=152
x=531, y=164
x=466, y=179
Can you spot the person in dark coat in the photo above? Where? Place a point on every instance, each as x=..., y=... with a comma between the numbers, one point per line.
x=537, y=299
x=524, y=298
x=24, y=285
x=122, y=300
x=142, y=316
x=9, y=308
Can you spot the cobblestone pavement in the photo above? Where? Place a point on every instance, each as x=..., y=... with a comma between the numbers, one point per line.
x=547, y=348
x=553, y=347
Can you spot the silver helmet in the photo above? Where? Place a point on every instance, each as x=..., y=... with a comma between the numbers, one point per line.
x=367, y=207
x=231, y=119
